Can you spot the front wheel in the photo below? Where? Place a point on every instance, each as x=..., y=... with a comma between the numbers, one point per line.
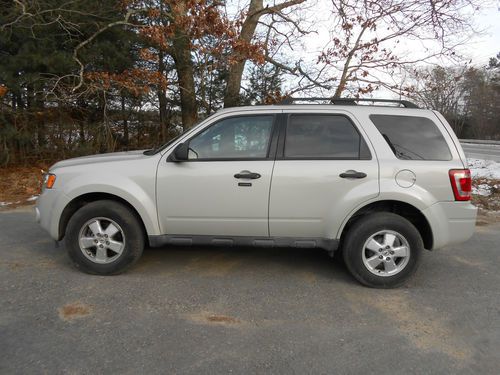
x=382, y=250
x=104, y=238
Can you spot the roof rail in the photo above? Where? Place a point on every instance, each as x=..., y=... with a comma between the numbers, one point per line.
x=349, y=101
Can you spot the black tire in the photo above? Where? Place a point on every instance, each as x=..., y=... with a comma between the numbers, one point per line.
x=362, y=230
x=134, y=237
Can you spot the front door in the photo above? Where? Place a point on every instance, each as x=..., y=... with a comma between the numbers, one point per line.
x=223, y=189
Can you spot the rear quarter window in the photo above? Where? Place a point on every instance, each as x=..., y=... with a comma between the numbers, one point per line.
x=412, y=137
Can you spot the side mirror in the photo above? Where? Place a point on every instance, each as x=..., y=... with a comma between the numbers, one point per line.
x=180, y=153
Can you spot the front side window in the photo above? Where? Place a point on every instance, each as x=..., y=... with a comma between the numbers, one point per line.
x=234, y=138
x=324, y=137
x=412, y=138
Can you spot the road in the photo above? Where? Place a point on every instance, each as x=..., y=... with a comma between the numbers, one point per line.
x=482, y=151
x=217, y=310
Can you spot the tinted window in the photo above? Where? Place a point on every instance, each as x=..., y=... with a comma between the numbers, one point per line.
x=412, y=138
x=236, y=137
x=323, y=136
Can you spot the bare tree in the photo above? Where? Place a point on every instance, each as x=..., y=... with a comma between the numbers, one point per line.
x=367, y=37
x=442, y=89
x=256, y=10
x=468, y=97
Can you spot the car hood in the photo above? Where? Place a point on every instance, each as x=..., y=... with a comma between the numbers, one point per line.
x=102, y=158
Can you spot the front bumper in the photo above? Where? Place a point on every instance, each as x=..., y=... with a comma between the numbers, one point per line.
x=37, y=215
x=49, y=207
x=451, y=222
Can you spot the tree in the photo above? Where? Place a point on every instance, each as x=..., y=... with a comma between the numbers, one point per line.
x=443, y=89
x=482, y=104
x=468, y=97
x=264, y=85
x=49, y=48
x=363, y=54
x=184, y=29
x=256, y=10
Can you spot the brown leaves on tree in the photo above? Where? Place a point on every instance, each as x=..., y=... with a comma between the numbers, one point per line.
x=3, y=91
x=134, y=81
x=195, y=20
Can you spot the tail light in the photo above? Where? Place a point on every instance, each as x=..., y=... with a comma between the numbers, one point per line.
x=461, y=183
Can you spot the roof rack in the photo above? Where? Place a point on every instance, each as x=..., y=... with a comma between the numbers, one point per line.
x=349, y=101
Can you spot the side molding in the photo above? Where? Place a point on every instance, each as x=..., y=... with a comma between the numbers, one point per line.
x=228, y=241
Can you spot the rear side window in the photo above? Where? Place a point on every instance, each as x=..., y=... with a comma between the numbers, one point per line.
x=323, y=137
x=412, y=138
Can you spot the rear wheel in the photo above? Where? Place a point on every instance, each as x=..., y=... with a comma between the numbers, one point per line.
x=104, y=238
x=382, y=250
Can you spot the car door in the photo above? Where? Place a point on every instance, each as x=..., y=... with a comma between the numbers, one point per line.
x=223, y=187
x=324, y=169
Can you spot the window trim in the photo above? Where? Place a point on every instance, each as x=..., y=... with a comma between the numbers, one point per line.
x=410, y=160
x=282, y=141
x=271, y=148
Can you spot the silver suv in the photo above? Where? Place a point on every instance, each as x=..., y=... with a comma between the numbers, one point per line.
x=378, y=183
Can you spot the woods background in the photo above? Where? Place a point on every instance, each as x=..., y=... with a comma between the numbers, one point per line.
x=81, y=77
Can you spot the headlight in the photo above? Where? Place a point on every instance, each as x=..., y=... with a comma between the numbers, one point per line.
x=48, y=180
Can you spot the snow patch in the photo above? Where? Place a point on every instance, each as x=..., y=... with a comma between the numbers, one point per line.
x=482, y=189
x=480, y=168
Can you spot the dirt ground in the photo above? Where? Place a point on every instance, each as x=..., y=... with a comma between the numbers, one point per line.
x=490, y=202
x=18, y=185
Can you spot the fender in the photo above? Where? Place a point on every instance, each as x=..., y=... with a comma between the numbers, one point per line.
x=125, y=188
x=402, y=197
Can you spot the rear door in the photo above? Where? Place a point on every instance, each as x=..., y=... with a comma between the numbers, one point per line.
x=325, y=167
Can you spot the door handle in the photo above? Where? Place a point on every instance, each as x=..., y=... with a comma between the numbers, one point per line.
x=352, y=174
x=247, y=175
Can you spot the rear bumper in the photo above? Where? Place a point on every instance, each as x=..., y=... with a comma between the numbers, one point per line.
x=451, y=222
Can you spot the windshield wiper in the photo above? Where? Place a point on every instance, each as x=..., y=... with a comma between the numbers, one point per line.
x=391, y=145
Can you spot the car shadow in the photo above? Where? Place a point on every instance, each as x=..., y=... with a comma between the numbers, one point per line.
x=312, y=264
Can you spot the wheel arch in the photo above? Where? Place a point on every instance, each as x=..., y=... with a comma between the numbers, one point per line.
x=78, y=202
x=404, y=209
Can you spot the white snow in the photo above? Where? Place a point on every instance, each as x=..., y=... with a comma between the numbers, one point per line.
x=30, y=199
x=480, y=168
x=482, y=189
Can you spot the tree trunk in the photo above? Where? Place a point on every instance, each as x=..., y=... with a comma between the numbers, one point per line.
x=162, y=101
x=125, y=124
x=233, y=83
x=82, y=132
x=101, y=124
x=347, y=64
x=256, y=10
x=40, y=116
x=35, y=105
x=187, y=88
x=185, y=72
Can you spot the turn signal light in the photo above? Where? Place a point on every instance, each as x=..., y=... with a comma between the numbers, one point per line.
x=49, y=180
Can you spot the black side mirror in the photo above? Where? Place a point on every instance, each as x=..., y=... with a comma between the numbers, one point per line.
x=180, y=153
